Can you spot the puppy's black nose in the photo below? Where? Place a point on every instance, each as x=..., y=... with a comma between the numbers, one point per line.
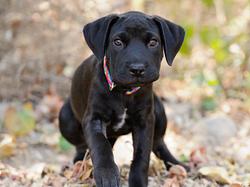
x=137, y=70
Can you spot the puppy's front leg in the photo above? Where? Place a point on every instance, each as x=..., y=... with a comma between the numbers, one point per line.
x=106, y=173
x=142, y=142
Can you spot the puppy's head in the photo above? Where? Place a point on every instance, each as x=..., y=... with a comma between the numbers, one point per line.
x=133, y=43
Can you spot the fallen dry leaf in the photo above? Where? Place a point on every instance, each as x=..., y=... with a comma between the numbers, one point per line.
x=177, y=171
x=244, y=179
x=50, y=105
x=19, y=121
x=198, y=156
x=55, y=180
x=3, y=171
x=177, y=174
x=68, y=173
x=7, y=145
x=172, y=182
x=82, y=170
x=219, y=174
x=235, y=185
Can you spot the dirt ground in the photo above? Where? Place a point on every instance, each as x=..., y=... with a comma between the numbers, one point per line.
x=41, y=158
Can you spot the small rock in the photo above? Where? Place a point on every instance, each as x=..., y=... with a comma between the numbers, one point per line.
x=242, y=154
x=35, y=171
x=123, y=150
x=216, y=130
x=179, y=113
x=218, y=174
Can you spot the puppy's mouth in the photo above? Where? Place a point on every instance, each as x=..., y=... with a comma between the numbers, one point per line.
x=132, y=85
x=135, y=82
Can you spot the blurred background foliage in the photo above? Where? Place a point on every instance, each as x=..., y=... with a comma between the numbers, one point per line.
x=42, y=43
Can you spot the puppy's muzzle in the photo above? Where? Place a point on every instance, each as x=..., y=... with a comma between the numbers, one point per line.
x=137, y=70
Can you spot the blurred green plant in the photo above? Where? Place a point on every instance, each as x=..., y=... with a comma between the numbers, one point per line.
x=186, y=46
x=208, y=103
x=19, y=120
x=64, y=145
x=184, y=158
x=217, y=48
x=208, y=3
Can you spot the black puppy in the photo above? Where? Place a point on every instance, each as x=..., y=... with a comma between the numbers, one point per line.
x=111, y=94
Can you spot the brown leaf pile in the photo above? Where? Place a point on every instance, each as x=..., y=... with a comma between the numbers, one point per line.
x=176, y=176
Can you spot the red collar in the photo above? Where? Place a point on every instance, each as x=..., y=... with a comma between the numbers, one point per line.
x=109, y=79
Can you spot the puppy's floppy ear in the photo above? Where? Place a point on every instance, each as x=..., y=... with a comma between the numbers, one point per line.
x=96, y=34
x=172, y=36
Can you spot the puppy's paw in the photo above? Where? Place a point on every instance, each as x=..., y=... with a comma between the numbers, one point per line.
x=107, y=176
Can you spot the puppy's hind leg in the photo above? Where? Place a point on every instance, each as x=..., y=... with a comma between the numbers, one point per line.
x=159, y=147
x=72, y=131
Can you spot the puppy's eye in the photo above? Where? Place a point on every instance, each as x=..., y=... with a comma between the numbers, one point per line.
x=153, y=43
x=118, y=43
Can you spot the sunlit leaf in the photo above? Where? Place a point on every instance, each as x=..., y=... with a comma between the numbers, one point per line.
x=220, y=50
x=7, y=145
x=218, y=174
x=213, y=82
x=220, y=55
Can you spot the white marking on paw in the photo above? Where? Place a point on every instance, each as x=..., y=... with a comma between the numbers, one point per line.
x=121, y=123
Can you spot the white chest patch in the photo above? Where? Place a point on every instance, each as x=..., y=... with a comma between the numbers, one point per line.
x=122, y=120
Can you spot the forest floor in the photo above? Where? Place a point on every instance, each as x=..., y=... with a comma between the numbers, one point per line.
x=214, y=144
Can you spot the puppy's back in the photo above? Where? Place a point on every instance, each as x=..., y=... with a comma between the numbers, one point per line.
x=80, y=87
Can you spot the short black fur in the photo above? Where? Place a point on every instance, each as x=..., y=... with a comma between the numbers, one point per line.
x=93, y=116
